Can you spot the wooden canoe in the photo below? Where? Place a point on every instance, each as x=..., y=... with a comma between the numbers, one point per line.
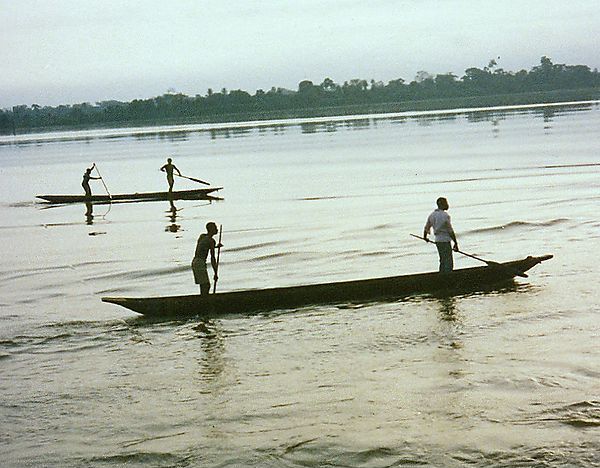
x=390, y=288
x=196, y=194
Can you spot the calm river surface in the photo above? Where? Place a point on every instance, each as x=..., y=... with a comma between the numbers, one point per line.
x=505, y=378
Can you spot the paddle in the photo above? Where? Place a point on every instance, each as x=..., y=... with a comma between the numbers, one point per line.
x=488, y=262
x=192, y=178
x=218, y=258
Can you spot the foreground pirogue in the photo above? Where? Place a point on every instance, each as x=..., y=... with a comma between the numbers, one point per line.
x=195, y=194
x=255, y=300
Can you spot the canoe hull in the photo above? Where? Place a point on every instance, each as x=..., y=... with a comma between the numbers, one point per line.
x=256, y=300
x=196, y=194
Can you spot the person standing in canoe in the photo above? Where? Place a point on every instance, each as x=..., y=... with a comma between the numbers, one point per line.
x=439, y=220
x=169, y=168
x=205, y=245
x=85, y=183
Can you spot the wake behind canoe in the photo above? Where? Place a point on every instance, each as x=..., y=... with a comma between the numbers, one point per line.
x=328, y=293
x=196, y=194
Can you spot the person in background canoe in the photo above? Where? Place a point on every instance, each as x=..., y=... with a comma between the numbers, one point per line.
x=169, y=168
x=85, y=183
x=439, y=220
x=205, y=245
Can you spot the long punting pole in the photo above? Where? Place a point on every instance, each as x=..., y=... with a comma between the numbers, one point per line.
x=488, y=262
x=193, y=178
x=105, y=187
x=218, y=258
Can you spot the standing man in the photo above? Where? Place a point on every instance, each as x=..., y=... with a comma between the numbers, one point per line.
x=85, y=183
x=205, y=244
x=169, y=168
x=439, y=220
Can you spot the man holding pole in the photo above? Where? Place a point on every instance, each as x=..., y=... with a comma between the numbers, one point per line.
x=439, y=220
x=206, y=244
x=85, y=183
x=169, y=168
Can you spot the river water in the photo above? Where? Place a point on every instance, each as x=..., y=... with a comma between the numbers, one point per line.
x=502, y=378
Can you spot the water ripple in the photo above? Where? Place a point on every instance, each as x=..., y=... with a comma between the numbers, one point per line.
x=582, y=414
x=518, y=225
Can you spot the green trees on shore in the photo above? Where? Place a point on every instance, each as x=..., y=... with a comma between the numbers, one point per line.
x=310, y=99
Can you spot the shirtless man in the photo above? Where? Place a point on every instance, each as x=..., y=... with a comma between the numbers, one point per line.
x=85, y=183
x=205, y=245
x=169, y=168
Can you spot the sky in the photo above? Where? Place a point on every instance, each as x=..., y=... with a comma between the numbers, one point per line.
x=72, y=51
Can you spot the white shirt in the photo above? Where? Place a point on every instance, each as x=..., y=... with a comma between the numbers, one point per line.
x=439, y=220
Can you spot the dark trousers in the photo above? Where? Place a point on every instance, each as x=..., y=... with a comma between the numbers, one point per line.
x=445, y=252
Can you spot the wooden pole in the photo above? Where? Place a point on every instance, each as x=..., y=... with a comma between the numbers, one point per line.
x=105, y=187
x=192, y=178
x=218, y=258
x=488, y=262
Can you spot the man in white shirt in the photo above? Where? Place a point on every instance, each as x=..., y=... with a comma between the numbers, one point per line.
x=439, y=220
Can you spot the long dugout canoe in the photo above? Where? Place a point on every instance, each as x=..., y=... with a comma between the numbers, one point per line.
x=195, y=194
x=255, y=300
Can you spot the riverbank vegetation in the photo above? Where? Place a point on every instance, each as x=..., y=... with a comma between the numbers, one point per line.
x=478, y=87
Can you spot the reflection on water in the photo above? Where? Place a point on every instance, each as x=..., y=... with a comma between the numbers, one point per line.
x=212, y=361
x=89, y=213
x=172, y=216
x=228, y=130
x=334, y=126
x=447, y=308
x=477, y=378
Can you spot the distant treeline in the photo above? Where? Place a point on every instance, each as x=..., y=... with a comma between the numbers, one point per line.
x=491, y=85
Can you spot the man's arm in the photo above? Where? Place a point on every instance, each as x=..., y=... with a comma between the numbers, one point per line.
x=453, y=237
x=175, y=168
x=452, y=234
x=164, y=168
x=426, y=229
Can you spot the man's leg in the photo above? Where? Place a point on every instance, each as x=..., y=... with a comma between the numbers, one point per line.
x=204, y=288
x=445, y=253
x=449, y=259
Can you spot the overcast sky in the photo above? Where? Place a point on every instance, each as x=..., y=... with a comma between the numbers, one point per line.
x=69, y=51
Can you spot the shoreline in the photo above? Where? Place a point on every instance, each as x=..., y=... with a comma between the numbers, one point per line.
x=95, y=132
